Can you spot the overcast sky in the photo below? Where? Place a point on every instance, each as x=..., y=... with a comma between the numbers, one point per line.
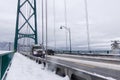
x=104, y=25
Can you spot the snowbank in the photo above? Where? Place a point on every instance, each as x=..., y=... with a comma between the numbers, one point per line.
x=23, y=68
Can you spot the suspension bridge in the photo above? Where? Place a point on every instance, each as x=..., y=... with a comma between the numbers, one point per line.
x=69, y=65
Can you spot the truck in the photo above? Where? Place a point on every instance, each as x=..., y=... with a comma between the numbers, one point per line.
x=38, y=51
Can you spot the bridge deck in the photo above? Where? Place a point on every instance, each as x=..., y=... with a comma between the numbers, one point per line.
x=94, y=65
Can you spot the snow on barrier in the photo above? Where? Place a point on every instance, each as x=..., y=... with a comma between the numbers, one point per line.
x=23, y=68
x=73, y=73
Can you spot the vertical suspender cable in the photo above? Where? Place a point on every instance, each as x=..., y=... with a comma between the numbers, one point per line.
x=65, y=15
x=28, y=13
x=54, y=14
x=28, y=29
x=46, y=27
x=25, y=30
x=42, y=25
x=87, y=24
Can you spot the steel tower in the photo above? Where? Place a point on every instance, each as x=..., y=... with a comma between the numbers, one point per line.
x=26, y=18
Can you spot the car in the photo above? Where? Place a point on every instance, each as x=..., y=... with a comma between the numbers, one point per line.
x=50, y=52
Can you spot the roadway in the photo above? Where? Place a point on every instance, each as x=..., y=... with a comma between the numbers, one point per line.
x=105, y=59
x=108, y=67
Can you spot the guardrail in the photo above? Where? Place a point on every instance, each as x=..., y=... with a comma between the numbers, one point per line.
x=85, y=52
x=65, y=70
x=5, y=59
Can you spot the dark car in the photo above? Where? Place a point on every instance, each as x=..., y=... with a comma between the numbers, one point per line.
x=50, y=52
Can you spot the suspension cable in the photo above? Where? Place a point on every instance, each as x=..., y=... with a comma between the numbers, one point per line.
x=87, y=25
x=29, y=13
x=54, y=14
x=46, y=26
x=65, y=16
x=42, y=24
x=28, y=31
x=26, y=41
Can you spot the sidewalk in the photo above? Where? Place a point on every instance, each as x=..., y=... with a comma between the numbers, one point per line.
x=23, y=68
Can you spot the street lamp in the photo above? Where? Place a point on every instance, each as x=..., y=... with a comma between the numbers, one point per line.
x=69, y=31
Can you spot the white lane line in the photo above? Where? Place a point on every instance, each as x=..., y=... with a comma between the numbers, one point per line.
x=92, y=63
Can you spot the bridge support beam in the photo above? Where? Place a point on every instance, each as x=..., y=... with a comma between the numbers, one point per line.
x=26, y=18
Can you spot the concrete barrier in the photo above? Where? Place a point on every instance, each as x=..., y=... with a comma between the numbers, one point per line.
x=64, y=70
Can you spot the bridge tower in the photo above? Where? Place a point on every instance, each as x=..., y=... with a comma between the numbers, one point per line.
x=26, y=22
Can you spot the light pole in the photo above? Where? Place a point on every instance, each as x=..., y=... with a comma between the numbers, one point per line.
x=69, y=31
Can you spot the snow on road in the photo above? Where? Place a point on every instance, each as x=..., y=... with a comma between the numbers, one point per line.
x=23, y=68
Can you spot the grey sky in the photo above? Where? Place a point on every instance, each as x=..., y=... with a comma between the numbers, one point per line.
x=104, y=17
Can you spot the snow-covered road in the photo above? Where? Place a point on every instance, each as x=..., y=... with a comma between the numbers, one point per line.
x=23, y=68
x=90, y=63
